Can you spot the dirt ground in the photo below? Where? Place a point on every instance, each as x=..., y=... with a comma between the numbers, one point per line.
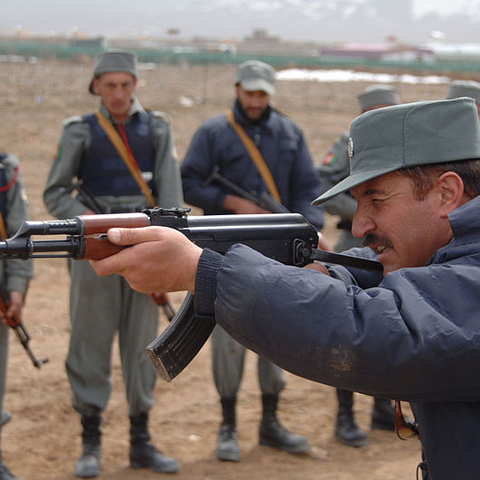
x=43, y=440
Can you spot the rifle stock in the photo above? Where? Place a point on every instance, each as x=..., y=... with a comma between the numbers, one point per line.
x=288, y=238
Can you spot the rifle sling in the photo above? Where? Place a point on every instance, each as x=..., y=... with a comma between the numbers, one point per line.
x=256, y=157
x=127, y=157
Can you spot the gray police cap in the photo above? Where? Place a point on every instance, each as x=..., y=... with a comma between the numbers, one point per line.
x=464, y=88
x=378, y=95
x=422, y=133
x=114, y=60
x=255, y=75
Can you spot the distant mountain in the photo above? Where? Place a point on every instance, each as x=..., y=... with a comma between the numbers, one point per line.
x=332, y=20
x=315, y=20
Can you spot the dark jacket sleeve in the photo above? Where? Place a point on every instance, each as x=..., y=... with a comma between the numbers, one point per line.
x=378, y=341
x=198, y=165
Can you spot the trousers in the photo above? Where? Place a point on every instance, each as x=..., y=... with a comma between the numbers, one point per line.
x=101, y=308
x=228, y=359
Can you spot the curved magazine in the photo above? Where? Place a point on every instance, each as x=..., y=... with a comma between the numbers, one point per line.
x=180, y=342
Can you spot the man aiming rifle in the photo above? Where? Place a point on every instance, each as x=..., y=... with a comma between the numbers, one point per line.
x=411, y=334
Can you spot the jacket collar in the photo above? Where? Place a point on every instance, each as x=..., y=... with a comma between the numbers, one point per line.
x=266, y=121
x=465, y=220
x=465, y=223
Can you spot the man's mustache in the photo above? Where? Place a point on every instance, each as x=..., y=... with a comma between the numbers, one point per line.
x=373, y=239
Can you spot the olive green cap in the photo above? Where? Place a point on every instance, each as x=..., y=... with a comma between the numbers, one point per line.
x=114, y=60
x=464, y=88
x=422, y=133
x=254, y=75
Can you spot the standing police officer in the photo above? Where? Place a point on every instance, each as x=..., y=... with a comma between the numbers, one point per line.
x=100, y=308
x=217, y=147
x=14, y=274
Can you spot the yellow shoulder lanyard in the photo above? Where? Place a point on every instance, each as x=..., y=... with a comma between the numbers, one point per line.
x=256, y=157
x=126, y=156
x=3, y=229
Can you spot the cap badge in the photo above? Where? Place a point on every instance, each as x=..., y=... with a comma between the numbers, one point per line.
x=350, y=147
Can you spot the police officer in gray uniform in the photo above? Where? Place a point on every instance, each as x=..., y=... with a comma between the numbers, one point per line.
x=465, y=88
x=99, y=308
x=14, y=274
x=334, y=168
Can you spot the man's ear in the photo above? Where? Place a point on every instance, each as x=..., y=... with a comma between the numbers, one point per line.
x=95, y=86
x=452, y=191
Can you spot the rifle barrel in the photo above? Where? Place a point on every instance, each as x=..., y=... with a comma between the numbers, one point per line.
x=20, y=247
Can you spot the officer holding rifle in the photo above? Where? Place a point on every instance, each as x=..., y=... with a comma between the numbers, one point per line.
x=411, y=334
x=251, y=160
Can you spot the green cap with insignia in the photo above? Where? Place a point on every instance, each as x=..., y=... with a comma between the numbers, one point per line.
x=422, y=133
x=114, y=60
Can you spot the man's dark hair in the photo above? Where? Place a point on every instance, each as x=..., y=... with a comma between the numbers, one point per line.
x=425, y=176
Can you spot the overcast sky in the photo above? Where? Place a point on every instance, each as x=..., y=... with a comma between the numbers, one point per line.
x=291, y=19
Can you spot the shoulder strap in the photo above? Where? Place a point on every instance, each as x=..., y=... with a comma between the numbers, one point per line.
x=126, y=156
x=256, y=157
x=3, y=228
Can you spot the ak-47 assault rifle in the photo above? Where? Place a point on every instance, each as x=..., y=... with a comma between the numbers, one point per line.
x=17, y=325
x=288, y=238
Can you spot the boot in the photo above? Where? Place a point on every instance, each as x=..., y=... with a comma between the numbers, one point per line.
x=273, y=434
x=143, y=454
x=88, y=464
x=346, y=430
x=383, y=415
x=5, y=473
x=227, y=442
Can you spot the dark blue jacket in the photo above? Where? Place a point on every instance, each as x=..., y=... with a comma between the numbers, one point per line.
x=283, y=148
x=413, y=335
